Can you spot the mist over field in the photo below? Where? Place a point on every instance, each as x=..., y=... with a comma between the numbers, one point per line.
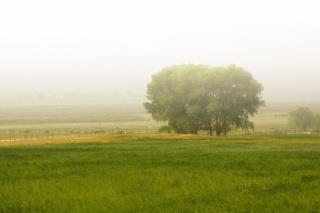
x=66, y=52
x=159, y=106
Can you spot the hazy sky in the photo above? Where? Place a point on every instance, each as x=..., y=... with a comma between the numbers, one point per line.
x=93, y=46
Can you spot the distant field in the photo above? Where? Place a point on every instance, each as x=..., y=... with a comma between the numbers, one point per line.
x=274, y=116
x=85, y=113
x=163, y=173
x=29, y=122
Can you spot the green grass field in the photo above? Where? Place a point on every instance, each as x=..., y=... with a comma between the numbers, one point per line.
x=163, y=174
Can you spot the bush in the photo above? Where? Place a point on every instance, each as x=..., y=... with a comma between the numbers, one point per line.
x=317, y=123
x=302, y=119
x=165, y=129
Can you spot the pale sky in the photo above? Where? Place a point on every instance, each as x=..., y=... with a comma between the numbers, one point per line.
x=98, y=47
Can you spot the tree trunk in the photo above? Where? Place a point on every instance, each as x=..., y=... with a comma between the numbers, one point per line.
x=210, y=129
x=218, y=132
x=224, y=131
x=210, y=132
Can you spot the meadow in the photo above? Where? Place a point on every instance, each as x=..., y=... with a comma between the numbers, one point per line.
x=163, y=173
x=98, y=158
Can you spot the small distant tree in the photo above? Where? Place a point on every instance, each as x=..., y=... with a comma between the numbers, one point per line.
x=317, y=123
x=302, y=119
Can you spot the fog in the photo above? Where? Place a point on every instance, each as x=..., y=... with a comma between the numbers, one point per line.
x=108, y=50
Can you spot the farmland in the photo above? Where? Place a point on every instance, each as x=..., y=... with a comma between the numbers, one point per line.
x=159, y=106
x=49, y=121
x=97, y=159
x=163, y=173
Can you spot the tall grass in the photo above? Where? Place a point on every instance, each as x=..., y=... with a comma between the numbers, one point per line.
x=158, y=174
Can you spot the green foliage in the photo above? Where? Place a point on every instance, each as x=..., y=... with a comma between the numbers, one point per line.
x=196, y=97
x=245, y=174
x=317, y=123
x=169, y=95
x=302, y=119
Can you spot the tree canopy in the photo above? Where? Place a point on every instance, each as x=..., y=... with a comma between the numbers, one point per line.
x=197, y=97
x=317, y=123
x=302, y=119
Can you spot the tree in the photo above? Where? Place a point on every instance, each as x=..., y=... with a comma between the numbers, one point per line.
x=301, y=119
x=233, y=96
x=169, y=96
x=317, y=123
x=196, y=97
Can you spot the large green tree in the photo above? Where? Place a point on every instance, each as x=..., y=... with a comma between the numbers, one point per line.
x=233, y=95
x=170, y=94
x=197, y=97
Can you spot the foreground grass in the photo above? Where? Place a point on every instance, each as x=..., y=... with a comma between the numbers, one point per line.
x=158, y=174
